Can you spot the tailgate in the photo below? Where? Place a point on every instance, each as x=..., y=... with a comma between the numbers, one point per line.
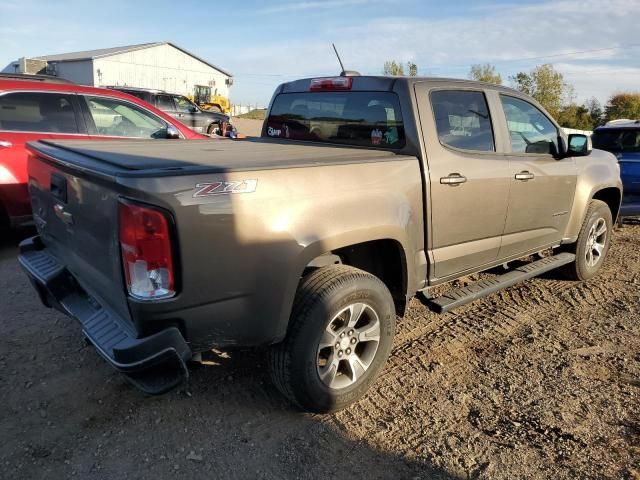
x=76, y=214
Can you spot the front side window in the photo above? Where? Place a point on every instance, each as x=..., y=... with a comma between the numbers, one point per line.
x=117, y=118
x=367, y=119
x=617, y=140
x=183, y=105
x=463, y=120
x=37, y=112
x=530, y=130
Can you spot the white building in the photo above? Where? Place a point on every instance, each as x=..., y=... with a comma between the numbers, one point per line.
x=160, y=65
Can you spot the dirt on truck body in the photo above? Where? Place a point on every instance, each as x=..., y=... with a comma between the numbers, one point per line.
x=312, y=241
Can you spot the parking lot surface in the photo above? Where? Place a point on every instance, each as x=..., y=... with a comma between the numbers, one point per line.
x=538, y=381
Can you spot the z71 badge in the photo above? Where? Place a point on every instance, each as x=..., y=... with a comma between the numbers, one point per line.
x=224, y=188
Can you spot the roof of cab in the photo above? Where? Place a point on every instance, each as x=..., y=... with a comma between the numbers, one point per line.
x=620, y=123
x=386, y=83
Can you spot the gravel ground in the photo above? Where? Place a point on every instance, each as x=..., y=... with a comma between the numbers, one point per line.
x=538, y=381
x=247, y=126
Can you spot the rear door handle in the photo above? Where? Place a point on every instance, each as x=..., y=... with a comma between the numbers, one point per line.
x=453, y=179
x=5, y=144
x=524, y=176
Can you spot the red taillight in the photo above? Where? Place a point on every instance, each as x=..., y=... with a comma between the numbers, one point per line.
x=331, y=83
x=145, y=242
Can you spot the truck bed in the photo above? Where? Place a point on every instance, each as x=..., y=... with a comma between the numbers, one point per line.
x=171, y=157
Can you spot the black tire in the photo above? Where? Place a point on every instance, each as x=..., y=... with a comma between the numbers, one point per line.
x=321, y=296
x=581, y=269
x=211, y=130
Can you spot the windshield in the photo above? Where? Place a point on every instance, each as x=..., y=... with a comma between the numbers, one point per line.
x=368, y=119
x=617, y=140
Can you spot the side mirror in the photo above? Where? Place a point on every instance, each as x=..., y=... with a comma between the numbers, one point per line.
x=579, y=145
x=172, y=132
x=193, y=109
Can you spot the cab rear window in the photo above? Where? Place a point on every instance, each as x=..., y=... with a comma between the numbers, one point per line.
x=367, y=119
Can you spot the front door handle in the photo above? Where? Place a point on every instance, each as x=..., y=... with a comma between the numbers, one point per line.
x=453, y=179
x=524, y=176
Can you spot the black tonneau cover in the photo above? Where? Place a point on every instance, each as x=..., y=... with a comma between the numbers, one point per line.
x=175, y=157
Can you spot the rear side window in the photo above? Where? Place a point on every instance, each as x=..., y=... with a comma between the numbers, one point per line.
x=37, y=112
x=617, y=140
x=463, y=120
x=530, y=130
x=165, y=102
x=367, y=119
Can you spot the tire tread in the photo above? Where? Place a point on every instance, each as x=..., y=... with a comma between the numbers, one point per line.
x=316, y=285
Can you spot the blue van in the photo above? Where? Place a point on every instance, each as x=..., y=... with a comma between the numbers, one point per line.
x=622, y=138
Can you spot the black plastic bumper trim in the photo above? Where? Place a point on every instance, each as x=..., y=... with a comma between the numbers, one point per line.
x=154, y=364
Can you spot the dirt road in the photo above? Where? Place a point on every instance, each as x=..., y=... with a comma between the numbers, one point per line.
x=247, y=126
x=539, y=381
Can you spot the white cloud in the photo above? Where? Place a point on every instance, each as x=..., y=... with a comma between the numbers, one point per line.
x=506, y=36
x=293, y=7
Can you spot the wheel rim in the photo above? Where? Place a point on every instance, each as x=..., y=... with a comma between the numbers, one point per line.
x=596, y=241
x=348, y=346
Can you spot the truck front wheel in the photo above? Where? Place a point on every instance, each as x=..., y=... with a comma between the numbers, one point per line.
x=340, y=335
x=593, y=242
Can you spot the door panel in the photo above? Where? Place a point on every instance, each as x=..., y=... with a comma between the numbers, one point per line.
x=189, y=115
x=26, y=117
x=542, y=187
x=469, y=182
x=630, y=174
x=538, y=207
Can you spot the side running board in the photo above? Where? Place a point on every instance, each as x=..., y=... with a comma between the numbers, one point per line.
x=460, y=296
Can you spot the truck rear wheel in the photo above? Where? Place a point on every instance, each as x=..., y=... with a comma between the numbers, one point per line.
x=340, y=335
x=593, y=242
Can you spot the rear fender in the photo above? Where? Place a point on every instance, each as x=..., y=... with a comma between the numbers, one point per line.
x=321, y=247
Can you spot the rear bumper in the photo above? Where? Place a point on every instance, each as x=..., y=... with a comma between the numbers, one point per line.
x=154, y=364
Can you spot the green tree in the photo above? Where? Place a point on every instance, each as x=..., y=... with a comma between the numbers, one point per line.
x=546, y=85
x=623, y=105
x=575, y=116
x=595, y=111
x=394, y=68
x=485, y=73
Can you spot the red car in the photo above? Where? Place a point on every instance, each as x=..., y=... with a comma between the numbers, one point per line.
x=39, y=107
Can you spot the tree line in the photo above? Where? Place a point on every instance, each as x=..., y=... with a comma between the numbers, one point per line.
x=549, y=88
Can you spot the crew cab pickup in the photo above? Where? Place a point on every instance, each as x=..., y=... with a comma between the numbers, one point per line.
x=363, y=192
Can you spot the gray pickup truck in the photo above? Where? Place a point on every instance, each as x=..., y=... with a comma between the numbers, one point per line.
x=363, y=192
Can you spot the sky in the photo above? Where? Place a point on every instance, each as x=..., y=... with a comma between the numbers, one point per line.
x=594, y=44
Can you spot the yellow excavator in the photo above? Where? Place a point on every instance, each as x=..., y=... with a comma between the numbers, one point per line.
x=208, y=100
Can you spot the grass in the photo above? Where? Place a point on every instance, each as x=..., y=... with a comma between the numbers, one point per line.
x=254, y=114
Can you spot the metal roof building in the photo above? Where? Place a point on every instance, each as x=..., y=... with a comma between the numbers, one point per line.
x=158, y=65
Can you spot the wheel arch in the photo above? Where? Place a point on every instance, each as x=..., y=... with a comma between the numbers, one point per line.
x=612, y=197
x=384, y=255
x=599, y=179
